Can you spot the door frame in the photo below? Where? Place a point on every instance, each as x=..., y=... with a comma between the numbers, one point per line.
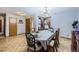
x=16, y=25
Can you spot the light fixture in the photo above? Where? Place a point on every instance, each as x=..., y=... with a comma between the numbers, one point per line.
x=21, y=13
x=44, y=12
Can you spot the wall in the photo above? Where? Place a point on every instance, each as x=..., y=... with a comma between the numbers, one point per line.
x=20, y=27
x=61, y=17
x=63, y=20
x=77, y=14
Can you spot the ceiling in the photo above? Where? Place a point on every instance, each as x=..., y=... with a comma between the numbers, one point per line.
x=34, y=10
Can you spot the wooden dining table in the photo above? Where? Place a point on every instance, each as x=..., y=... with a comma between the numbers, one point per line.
x=44, y=36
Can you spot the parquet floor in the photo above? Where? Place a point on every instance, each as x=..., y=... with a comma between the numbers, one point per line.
x=65, y=45
x=13, y=44
x=19, y=44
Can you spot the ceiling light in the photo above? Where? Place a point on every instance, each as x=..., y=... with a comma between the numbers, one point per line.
x=21, y=13
x=44, y=12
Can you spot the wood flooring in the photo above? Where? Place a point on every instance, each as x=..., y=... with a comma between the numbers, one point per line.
x=19, y=44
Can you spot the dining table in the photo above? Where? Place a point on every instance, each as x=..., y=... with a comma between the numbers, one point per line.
x=44, y=36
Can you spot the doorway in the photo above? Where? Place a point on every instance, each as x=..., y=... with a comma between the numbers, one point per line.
x=12, y=26
x=28, y=25
x=1, y=25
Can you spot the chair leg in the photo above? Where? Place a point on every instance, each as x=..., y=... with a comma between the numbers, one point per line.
x=28, y=50
x=53, y=49
x=58, y=43
x=56, y=49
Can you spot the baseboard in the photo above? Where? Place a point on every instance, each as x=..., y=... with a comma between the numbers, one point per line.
x=21, y=34
x=16, y=35
x=65, y=37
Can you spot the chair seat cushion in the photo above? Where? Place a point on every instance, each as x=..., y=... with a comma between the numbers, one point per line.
x=51, y=43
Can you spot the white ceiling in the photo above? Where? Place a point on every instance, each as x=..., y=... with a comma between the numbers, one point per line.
x=34, y=10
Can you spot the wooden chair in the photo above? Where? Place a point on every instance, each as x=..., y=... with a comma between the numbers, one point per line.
x=57, y=35
x=53, y=43
x=50, y=45
x=33, y=45
x=77, y=46
x=55, y=38
x=51, y=29
x=73, y=42
x=33, y=30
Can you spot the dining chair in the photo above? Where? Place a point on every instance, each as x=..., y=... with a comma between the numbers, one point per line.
x=52, y=45
x=73, y=42
x=54, y=42
x=55, y=38
x=33, y=30
x=57, y=35
x=51, y=29
x=77, y=41
x=33, y=45
x=77, y=46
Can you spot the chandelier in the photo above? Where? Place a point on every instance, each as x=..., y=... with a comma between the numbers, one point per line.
x=44, y=12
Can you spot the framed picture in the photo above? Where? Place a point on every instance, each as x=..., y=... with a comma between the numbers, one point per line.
x=20, y=21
